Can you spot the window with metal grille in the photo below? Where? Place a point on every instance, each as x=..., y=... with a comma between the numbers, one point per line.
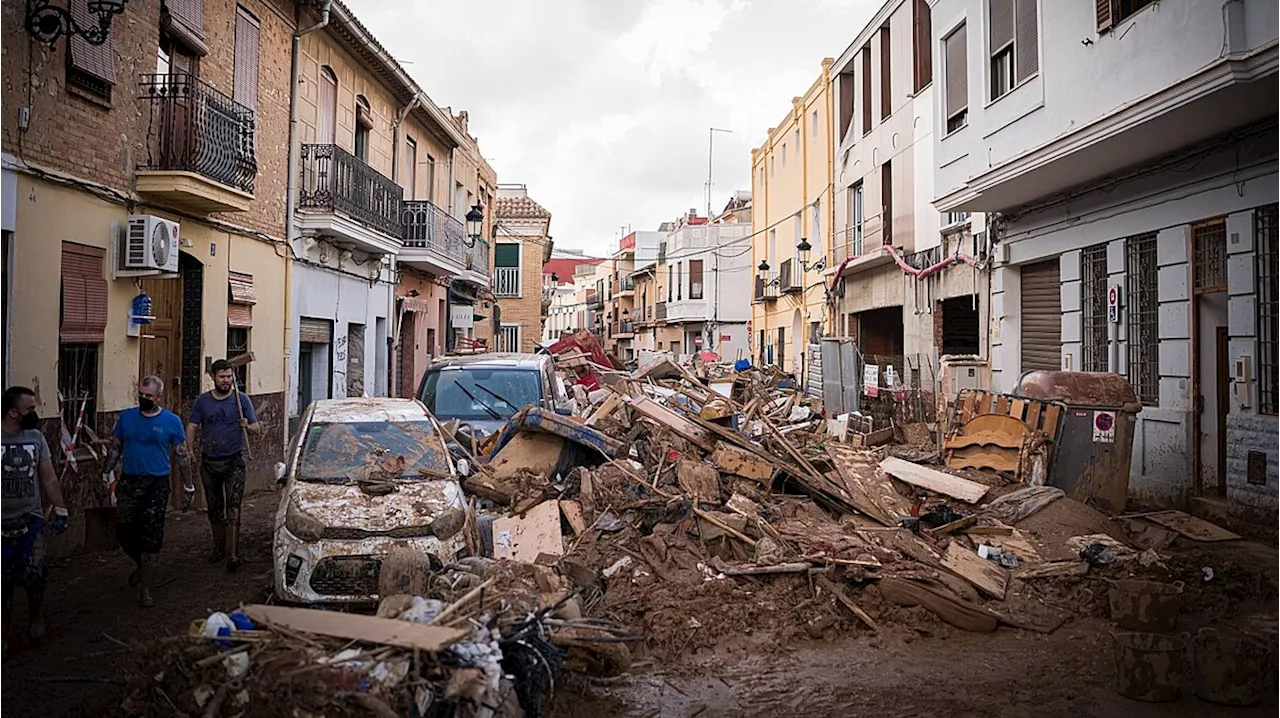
x=237, y=344
x=1268, y=289
x=1141, y=300
x=78, y=382
x=1093, y=302
x=1210, y=268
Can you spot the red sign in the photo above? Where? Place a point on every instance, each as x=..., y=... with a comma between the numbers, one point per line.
x=628, y=242
x=726, y=338
x=697, y=341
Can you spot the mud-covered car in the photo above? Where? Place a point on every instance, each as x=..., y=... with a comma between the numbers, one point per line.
x=485, y=390
x=364, y=477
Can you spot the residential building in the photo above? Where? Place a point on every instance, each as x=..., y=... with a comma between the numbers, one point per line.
x=645, y=311
x=905, y=281
x=707, y=284
x=521, y=245
x=738, y=209
x=115, y=188
x=636, y=249
x=599, y=290
x=1131, y=172
x=791, y=228
x=563, y=279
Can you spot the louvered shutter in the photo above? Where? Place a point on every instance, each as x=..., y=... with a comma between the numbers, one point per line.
x=186, y=23
x=923, y=27
x=957, y=72
x=84, y=295
x=326, y=108
x=866, y=89
x=245, y=89
x=1105, y=19
x=96, y=60
x=315, y=331
x=886, y=81
x=240, y=316
x=1041, y=317
x=1027, y=46
x=1000, y=14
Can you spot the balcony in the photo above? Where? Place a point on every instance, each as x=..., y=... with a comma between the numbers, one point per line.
x=766, y=289
x=683, y=311
x=345, y=199
x=624, y=286
x=623, y=330
x=660, y=312
x=506, y=282
x=436, y=242
x=790, y=279
x=595, y=302
x=200, y=155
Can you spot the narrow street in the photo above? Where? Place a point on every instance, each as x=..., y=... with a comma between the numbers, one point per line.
x=90, y=609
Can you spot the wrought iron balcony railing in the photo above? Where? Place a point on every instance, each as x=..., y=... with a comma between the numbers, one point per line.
x=338, y=181
x=195, y=128
x=595, y=301
x=626, y=327
x=790, y=279
x=423, y=225
x=506, y=281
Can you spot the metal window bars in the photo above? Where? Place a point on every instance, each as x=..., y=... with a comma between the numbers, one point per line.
x=1268, y=287
x=1210, y=267
x=1093, y=296
x=1143, y=317
x=198, y=129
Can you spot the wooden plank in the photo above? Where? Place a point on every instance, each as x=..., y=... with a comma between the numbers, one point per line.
x=766, y=570
x=848, y=603
x=606, y=408
x=1016, y=408
x=989, y=531
x=984, y=457
x=956, y=525
x=1033, y=414
x=968, y=407
x=957, y=613
x=933, y=480
x=653, y=411
x=1193, y=528
x=357, y=627
x=868, y=492
x=572, y=511
x=1002, y=405
x=733, y=460
x=524, y=538
x=986, y=576
x=1050, y=420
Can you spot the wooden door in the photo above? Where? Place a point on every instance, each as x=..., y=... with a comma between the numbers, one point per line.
x=1221, y=349
x=160, y=352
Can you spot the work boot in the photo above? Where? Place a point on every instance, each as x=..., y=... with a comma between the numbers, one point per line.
x=146, y=574
x=219, y=543
x=232, y=533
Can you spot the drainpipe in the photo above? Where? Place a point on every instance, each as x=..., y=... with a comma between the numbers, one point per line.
x=290, y=219
x=396, y=303
x=831, y=191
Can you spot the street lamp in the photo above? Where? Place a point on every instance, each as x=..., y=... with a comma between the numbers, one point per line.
x=47, y=22
x=475, y=219
x=802, y=253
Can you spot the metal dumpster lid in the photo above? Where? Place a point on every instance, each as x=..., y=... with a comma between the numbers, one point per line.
x=1081, y=388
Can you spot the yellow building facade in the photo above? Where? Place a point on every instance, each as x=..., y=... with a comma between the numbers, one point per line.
x=792, y=208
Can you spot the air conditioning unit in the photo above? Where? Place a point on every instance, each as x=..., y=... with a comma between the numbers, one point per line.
x=152, y=243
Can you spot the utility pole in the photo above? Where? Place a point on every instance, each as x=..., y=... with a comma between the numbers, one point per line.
x=711, y=142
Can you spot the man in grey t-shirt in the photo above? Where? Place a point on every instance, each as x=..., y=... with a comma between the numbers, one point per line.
x=27, y=471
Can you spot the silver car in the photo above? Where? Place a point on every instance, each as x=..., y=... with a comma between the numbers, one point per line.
x=365, y=476
x=485, y=390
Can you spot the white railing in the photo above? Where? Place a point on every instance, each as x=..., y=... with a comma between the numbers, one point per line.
x=506, y=281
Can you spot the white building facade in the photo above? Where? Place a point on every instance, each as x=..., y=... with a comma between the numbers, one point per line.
x=708, y=285
x=1129, y=151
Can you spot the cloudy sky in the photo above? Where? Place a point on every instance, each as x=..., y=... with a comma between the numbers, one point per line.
x=602, y=107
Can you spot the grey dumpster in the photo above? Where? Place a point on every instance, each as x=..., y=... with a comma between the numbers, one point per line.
x=1095, y=435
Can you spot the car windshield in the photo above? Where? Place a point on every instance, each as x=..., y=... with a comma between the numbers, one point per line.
x=480, y=393
x=343, y=452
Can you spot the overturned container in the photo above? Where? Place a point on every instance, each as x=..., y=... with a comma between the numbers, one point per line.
x=1150, y=666
x=1095, y=436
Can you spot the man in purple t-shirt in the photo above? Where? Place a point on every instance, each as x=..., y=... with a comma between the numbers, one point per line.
x=223, y=416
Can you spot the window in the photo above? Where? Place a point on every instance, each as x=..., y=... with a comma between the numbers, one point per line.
x=797, y=228
x=922, y=44
x=886, y=81
x=795, y=138
x=506, y=269
x=240, y=301
x=1268, y=289
x=784, y=155
x=670, y=280
x=1093, y=296
x=679, y=281
x=1141, y=300
x=245, y=83
x=1210, y=267
x=816, y=241
x=431, y=179
x=91, y=69
x=773, y=248
x=773, y=165
x=855, y=211
x=237, y=344
x=78, y=385
x=1113, y=12
x=83, y=316
x=955, y=73
x=327, y=108
x=950, y=219
x=364, y=123
x=695, y=279
x=866, y=89
x=886, y=201
x=846, y=88
x=813, y=123
x=410, y=168
x=1014, y=43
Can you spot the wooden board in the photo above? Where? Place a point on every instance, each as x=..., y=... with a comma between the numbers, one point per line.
x=572, y=511
x=957, y=613
x=525, y=538
x=354, y=626
x=730, y=459
x=654, y=411
x=984, y=457
x=869, y=492
x=606, y=408
x=933, y=480
x=534, y=450
x=987, y=576
x=1193, y=528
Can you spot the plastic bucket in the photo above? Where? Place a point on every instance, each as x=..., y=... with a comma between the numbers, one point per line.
x=1148, y=606
x=1229, y=669
x=1149, y=666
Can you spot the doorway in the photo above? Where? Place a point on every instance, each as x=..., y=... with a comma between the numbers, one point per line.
x=170, y=346
x=1210, y=354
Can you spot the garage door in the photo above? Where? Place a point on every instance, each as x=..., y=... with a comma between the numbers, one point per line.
x=1041, y=317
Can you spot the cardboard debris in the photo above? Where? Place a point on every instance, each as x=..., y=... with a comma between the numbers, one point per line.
x=529, y=537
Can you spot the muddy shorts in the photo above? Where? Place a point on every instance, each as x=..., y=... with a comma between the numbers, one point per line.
x=141, y=505
x=23, y=554
x=223, y=486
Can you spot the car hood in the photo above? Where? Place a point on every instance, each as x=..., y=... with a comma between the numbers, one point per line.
x=413, y=504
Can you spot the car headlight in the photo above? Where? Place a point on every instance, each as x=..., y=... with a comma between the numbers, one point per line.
x=302, y=524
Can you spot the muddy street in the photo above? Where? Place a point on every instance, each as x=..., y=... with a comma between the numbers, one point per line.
x=76, y=668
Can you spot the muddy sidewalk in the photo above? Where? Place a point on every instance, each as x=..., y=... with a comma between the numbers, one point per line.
x=73, y=670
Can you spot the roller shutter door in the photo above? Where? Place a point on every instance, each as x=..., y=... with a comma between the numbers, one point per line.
x=315, y=331
x=1041, y=317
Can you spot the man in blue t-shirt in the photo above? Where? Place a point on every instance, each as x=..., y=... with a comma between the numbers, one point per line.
x=142, y=438
x=224, y=417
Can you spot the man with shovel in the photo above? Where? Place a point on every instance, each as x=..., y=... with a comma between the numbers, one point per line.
x=226, y=418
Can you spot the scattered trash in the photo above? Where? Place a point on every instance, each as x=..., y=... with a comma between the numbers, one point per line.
x=1097, y=554
x=1208, y=573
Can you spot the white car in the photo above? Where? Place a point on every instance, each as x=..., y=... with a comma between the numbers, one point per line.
x=365, y=476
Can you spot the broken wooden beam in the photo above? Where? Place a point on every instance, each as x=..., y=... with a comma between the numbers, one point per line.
x=934, y=480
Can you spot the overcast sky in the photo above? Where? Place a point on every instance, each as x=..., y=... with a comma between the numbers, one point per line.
x=602, y=107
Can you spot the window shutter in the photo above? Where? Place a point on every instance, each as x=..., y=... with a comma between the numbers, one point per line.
x=186, y=23
x=957, y=71
x=1001, y=27
x=1104, y=15
x=245, y=89
x=866, y=89
x=84, y=295
x=886, y=77
x=240, y=316
x=240, y=289
x=1027, y=45
x=923, y=27
x=96, y=60
x=315, y=331
x=326, y=107
x=506, y=255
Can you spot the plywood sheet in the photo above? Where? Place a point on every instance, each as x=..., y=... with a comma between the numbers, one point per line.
x=524, y=538
x=933, y=480
x=1193, y=528
x=987, y=576
x=354, y=626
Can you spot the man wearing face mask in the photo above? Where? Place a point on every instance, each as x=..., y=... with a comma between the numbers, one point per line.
x=27, y=473
x=143, y=436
